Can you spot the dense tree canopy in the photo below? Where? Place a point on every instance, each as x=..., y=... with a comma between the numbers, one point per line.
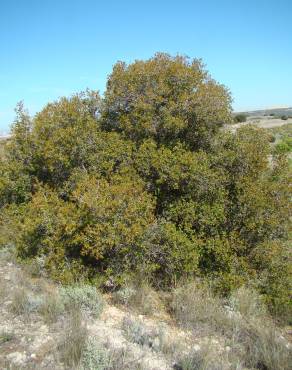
x=168, y=99
x=147, y=179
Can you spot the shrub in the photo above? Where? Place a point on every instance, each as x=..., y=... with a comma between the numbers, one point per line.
x=86, y=297
x=204, y=359
x=284, y=118
x=95, y=356
x=238, y=118
x=285, y=145
x=136, y=332
x=248, y=303
x=146, y=180
x=264, y=348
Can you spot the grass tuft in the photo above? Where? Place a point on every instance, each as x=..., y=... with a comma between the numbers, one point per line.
x=51, y=308
x=6, y=336
x=73, y=341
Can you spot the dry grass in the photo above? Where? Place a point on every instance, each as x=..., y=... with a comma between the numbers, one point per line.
x=20, y=301
x=204, y=359
x=142, y=299
x=73, y=341
x=195, y=307
x=51, y=307
x=243, y=322
x=6, y=336
x=3, y=291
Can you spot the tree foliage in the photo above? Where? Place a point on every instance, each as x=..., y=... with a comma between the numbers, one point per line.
x=148, y=179
x=168, y=99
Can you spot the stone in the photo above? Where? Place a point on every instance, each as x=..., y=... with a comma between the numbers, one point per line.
x=196, y=347
x=17, y=358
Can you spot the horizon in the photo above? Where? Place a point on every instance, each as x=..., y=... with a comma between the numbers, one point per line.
x=56, y=49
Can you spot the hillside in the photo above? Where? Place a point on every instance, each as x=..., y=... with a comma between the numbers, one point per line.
x=269, y=112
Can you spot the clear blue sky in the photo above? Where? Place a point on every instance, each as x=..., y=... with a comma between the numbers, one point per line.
x=51, y=48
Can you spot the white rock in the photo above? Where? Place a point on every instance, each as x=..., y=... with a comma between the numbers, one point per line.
x=17, y=358
x=44, y=328
x=33, y=356
x=196, y=347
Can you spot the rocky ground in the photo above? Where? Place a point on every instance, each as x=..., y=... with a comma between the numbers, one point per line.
x=28, y=341
x=39, y=330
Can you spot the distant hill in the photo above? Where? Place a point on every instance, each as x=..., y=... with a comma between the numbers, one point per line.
x=269, y=112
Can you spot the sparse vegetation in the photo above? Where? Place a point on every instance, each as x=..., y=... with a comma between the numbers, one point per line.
x=20, y=302
x=51, y=307
x=74, y=340
x=6, y=336
x=242, y=320
x=195, y=306
x=139, y=296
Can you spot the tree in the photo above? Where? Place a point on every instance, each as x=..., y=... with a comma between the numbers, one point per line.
x=148, y=179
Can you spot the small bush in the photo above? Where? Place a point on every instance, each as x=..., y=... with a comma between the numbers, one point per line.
x=240, y=118
x=285, y=145
x=136, y=332
x=95, y=356
x=34, y=267
x=121, y=359
x=84, y=296
x=7, y=254
x=284, y=118
x=124, y=295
